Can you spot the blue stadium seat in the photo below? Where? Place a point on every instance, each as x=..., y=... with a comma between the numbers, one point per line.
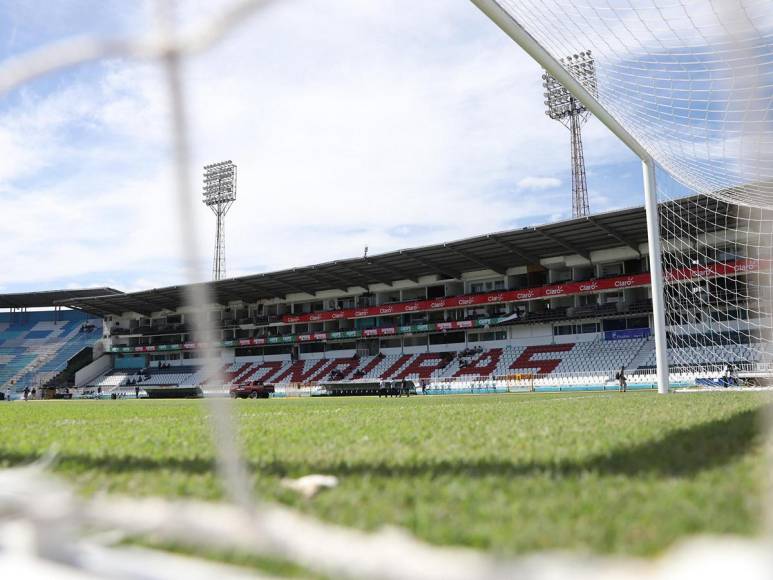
x=41, y=346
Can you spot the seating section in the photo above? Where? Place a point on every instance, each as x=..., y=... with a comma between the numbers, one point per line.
x=257, y=372
x=112, y=379
x=600, y=356
x=718, y=354
x=542, y=360
x=172, y=376
x=425, y=365
x=479, y=363
x=34, y=351
x=588, y=362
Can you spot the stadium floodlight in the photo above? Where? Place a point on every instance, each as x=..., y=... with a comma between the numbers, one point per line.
x=219, y=195
x=561, y=105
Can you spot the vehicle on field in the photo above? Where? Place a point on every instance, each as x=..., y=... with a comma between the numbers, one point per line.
x=254, y=390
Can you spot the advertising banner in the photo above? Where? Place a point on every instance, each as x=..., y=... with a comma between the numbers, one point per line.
x=626, y=334
x=550, y=291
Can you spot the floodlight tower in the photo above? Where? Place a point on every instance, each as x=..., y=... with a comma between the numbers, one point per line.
x=219, y=195
x=562, y=106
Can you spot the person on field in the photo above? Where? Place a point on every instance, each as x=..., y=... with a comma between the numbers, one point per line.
x=26, y=393
x=622, y=380
x=136, y=392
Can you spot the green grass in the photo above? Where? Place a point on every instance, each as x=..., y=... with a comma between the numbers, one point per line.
x=610, y=473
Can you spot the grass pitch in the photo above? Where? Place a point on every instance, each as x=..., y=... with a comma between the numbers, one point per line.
x=608, y=473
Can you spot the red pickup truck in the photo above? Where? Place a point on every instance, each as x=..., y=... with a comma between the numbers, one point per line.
x=254, y=390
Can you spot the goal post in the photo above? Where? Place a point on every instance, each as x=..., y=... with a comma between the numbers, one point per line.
x=685, y=84
x=657, y=283
x=553, y=66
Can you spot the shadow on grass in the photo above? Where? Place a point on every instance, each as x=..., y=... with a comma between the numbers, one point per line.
x=680, y=452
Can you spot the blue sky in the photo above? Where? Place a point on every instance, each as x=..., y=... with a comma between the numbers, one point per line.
x=391, y=123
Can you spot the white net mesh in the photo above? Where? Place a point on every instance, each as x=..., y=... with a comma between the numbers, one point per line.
x=716, y=255
x=692, y=82
x=690, y=79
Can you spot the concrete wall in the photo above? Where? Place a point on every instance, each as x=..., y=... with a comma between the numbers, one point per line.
x=93, y=370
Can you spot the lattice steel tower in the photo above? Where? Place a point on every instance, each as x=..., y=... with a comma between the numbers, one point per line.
x=562, y=106
x=219, y=195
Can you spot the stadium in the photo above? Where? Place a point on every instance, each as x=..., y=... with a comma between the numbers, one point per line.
x=563, y=306
x=535, y=394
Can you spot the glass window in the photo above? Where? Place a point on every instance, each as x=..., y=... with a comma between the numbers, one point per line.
x=611, y=270
x=446, y=338
x=614, y=324
x=638, y=322
x=487, y=336
x=563, y=329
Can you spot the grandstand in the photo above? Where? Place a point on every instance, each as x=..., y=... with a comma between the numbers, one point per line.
x=38, y=339
x=565, y=303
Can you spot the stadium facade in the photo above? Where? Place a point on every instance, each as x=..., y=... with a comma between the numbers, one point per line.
x=567, y=303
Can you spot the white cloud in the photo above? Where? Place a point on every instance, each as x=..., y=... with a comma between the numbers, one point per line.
x=391, y=123
x=535, y=183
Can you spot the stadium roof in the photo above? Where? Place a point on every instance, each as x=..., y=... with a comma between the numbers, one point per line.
x=49, y=298
x=497, y=251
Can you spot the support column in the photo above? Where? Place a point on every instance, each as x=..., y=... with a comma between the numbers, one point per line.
x=580, y=205
x=656, y=274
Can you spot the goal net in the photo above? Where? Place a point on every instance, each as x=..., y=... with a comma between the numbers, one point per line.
x=692, y=82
